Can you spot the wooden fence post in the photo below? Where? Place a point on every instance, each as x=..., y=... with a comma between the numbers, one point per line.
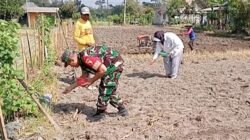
x=24, y=60
x=43, y=43
x=39, y=50
x=2, y=127
x=56, y=40
x=30, y=54
x=35, y=49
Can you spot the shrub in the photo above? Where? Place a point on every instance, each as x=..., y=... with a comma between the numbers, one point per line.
x=14, y=98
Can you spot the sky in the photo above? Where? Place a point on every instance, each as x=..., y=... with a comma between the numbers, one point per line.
x=91, y=3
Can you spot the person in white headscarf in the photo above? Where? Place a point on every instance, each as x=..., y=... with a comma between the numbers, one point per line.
x=170, y=44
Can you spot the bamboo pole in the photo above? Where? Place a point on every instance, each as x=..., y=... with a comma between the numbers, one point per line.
x=43, y=43
x=63, y=34
x=39, y=49
x=24, y=60
x=66, y=29
x=27, y=68
x=52, y=39
x=61, y=43
x=70, y=25
x=56, y=45
x=51, y=120
x=28, y=40
x=35, y=48
x=2, y=128
x=27, y=36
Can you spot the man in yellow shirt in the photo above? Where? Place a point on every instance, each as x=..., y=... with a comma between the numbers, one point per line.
x=83, y=33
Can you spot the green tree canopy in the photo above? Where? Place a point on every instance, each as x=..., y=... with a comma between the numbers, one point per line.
x=173, y=6
x=10, y=9
x=239, y=10
x=67, y=9
x=41, y=3
x=133, y=8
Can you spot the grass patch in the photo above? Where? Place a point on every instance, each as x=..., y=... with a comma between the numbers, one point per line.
x=39, y=125
x=241, y=54
x=191, y=56
x=45, y=81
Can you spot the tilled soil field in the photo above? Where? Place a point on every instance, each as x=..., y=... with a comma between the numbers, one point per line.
x=124, y=39
x=210, y=99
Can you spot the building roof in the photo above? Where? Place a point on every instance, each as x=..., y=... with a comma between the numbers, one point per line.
x=214, y=9
x=31, y=7
x=42, y=10
x=29, y=4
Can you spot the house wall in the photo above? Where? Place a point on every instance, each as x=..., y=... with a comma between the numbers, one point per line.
x=32, y=18
x=190, y=18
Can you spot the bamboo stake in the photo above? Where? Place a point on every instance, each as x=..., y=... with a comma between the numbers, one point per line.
x=35, y=48
x=66, y=29
x=55, y=32
x=39, y=50
x=24, y=60
x=43, y=44
x=55, y=125
x=61, y=27
x=60, y=45
x=2, y=127
x=56, y=45
x=27, y=68
x=31, y=62
x=53, y=39
x=3, y=130
x=69, y=25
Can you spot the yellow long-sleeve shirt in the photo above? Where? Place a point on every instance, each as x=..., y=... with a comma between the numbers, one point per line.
x=83, y=34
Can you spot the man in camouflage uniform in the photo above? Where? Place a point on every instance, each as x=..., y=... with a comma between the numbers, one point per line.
x=106, y=64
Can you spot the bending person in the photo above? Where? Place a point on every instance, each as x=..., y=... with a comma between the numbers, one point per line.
x=105, y=64
x=170, y=44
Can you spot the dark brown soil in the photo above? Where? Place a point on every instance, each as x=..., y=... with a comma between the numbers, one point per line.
x=209, y=100
x=124, y=38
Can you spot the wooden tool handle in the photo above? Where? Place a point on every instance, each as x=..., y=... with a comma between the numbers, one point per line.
x=56, y=126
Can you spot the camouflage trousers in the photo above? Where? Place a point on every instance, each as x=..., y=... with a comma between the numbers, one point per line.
x=107, y=91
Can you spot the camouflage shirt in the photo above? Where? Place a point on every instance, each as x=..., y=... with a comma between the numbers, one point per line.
x=91, y=59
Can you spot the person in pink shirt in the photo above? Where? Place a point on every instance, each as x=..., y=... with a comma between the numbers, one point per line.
x=190, y=32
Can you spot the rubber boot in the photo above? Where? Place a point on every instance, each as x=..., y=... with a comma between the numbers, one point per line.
x=100, y=114
x=122, y=111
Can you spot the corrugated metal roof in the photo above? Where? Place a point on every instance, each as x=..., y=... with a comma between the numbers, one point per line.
x=31, y=7
x=214, y=9
x=29, y=4
x=42, y=9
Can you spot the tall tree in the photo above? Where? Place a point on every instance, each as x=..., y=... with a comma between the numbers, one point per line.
x=41, y=3
x=68, y=9
x=100, y=3
x=239, y=12
x=173, y=6
x=133, y=8
x=10, y=9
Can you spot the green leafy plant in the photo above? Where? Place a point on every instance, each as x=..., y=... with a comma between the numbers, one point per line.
x=44, y=29
x=10, y=9
x=68, y=9
x=46, y=77
x=14, y=99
